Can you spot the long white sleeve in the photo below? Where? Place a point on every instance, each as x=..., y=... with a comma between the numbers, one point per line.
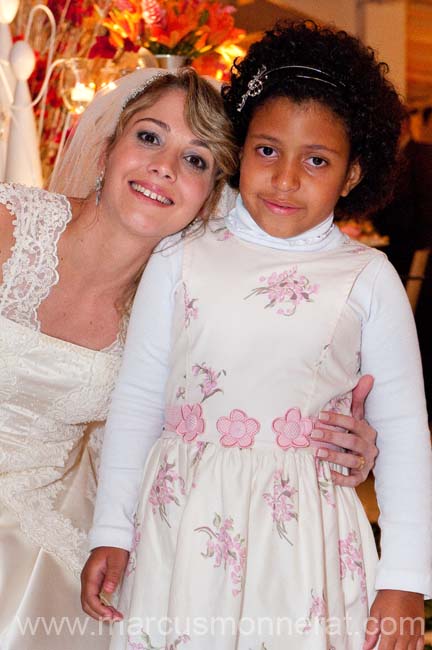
x=396, y=409
x=137, y=409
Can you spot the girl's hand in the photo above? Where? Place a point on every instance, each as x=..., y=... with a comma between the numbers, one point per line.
x=102, y=572
x=398, y=616
x=359, y=441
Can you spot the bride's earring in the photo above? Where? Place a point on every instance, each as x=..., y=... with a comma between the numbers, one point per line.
x=99, y=186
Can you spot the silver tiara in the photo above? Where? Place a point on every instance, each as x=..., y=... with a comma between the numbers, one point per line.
x=256, y=84
x=138, y=90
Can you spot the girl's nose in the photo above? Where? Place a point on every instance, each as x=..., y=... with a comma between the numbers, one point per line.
x=164, y=166
x=286, y=177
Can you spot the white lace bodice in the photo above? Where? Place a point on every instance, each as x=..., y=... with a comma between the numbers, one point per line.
x=49, y=389
x=31, y=270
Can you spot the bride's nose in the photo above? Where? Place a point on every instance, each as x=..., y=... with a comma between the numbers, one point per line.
x=164, y=165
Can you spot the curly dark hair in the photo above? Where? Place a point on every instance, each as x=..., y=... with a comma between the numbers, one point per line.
x=361, y=96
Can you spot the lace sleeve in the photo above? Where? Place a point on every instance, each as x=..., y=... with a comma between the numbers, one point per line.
x=31, y=270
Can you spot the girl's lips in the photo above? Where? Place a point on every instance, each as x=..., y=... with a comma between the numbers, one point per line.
x=280, y=207
x=151, y=192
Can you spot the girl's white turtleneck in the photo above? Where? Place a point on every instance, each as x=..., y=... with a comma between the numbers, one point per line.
x=241, y=224
x=389, y=352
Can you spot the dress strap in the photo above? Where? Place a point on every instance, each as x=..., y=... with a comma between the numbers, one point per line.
x=40, y=218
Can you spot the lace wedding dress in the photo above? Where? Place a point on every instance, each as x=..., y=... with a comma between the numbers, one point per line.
x=49, y=391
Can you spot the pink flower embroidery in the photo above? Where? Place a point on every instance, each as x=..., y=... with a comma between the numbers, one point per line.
x=237, y=430
x=133, y=552
x=317, y=612
x=325, y=483
x=181, y=392
x=163, y=490
x=191, y=311
x=351, y=559
x=191, y=424
x=209, y=385
x=292, y=430
x=281, y=503
x=286, y=289
x=228, y=550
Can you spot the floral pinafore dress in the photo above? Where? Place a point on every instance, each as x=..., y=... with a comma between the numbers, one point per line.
x=242, y=541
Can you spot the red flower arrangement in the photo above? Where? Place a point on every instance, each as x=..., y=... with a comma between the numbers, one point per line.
x=111, y=32
x=185, y=27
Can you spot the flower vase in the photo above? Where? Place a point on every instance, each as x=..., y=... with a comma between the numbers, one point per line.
x=170, y=61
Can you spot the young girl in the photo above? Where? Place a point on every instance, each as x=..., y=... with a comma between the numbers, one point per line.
x=239, y=340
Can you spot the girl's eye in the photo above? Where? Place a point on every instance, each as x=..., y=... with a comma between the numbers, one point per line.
x=266, y=151
x=196, y=161
x=148, y=137
x=316, y=161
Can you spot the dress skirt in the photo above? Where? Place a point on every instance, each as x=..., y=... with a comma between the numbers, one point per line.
x=245, y=549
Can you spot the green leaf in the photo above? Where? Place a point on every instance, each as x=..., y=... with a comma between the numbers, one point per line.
x=203, y=18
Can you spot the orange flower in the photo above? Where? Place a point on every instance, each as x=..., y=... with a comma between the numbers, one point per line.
x=185, y=27
x=123, y=25
x=189, y=27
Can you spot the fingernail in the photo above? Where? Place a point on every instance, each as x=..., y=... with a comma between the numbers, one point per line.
x=325, y=417
x=316, y=434
x=322, y=453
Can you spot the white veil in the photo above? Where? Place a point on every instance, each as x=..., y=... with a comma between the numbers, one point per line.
x=76, y=173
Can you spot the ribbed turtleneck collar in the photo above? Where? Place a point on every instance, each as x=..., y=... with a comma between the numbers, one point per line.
x=241, y=224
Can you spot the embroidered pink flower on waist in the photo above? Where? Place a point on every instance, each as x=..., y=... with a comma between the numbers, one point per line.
x=192, y=423
x=292, y=430
x=238, y=429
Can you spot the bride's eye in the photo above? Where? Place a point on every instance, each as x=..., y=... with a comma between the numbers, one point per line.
x=148, y=137
x=196, y=162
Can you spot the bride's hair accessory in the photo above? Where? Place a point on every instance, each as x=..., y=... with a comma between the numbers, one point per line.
x=256, y=84
x=139, y=90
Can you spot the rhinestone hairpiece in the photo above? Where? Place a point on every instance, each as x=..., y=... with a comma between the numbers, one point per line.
x=138, y=90
x=256, y=84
